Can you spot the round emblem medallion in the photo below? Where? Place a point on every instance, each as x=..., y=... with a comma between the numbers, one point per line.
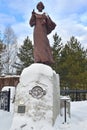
x=37, y=92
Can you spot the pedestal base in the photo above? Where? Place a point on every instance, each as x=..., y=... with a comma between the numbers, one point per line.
x=37, y=102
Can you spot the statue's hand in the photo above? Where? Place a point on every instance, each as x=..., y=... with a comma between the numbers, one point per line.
x=44, y=16
x=33, y=12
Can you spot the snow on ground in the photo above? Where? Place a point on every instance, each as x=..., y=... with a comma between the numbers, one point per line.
x=78, y=119
x=5, y=120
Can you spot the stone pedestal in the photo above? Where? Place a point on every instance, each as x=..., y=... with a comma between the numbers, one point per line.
x=37, y=101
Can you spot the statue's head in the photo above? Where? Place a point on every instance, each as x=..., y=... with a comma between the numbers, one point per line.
x=40, y=6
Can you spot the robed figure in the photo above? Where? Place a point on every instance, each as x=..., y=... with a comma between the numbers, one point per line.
x=43, y=25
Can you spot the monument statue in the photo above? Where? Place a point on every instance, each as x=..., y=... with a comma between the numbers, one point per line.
x=37, y=98
x=43, y=25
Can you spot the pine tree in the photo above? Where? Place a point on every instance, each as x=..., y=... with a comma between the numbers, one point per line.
x=73, y=64
x=26, y=53
x=56, y=48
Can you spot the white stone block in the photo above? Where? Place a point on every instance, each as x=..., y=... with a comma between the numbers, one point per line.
x=38, y=95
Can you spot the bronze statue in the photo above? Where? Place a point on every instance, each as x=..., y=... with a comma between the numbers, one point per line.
x=43, y=26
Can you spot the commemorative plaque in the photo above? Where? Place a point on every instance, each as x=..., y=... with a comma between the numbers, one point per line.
x=21, y=109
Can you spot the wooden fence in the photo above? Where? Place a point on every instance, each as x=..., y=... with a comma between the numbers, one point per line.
x=9, y=81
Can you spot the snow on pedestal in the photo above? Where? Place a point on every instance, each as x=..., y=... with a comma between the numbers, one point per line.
x=37, y=98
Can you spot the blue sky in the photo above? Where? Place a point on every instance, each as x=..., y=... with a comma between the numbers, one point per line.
x=70, y=17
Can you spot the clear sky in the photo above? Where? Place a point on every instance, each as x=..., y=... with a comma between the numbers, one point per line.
x=69, y=15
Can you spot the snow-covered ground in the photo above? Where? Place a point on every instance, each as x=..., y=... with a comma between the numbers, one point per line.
x=78, y=119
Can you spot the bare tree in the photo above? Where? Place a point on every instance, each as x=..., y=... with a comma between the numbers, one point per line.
x=10, y=53
x=2, y=47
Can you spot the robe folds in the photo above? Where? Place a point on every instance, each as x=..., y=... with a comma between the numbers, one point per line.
x=43, y=25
